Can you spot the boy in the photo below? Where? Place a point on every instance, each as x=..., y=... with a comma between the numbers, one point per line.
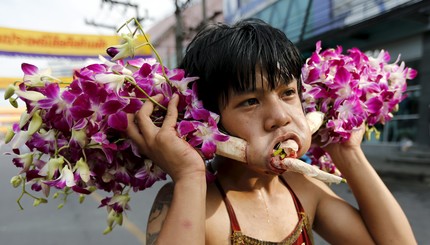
x=250, y=75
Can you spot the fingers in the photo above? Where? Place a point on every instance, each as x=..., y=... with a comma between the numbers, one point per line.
x=132, y=130
x=141, y=127
x=172, y=112
x=143, y=117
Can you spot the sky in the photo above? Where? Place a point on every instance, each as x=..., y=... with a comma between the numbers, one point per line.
x=70, y=16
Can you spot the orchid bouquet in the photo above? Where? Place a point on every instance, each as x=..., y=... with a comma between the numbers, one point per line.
x=75, y=134
x=350, y=89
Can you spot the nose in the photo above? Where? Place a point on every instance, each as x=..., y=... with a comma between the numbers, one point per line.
x=277, y=114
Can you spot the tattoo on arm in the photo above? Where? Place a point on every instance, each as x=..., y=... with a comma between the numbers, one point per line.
x=158, y=213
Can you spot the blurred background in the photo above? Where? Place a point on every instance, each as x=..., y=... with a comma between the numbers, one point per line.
x=64, y=35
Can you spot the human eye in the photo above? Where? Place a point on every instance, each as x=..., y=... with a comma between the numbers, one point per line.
x=249, y=102
x=288, y=93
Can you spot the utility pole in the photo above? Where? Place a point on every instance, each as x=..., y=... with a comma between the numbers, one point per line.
x=126, y=5
x=204, y=12
x=179, y=32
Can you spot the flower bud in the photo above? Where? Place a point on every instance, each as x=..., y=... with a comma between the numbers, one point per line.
x=35, y=123
x=124, y=50
x=55, y=196
x=377, y=134
x=60, y=206
x=23, y=120
x=111, y=218
x=368, y=134
x=119, y=219
x=107, y=230
x=53, y=165
x=13, y=102
x=112, y=51
x=10, y=90
x=9, y=135
x=80, y=137
x=39, y=201
x=36, y=202
x=81, y=198
x=83, y=169
x=16, y=181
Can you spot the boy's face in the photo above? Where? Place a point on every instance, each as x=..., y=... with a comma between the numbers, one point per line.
x=264, y=118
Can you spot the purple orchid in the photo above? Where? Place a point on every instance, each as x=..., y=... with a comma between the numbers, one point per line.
x=204, y=134
x=34, y=77
x=77, y=133
x=351, y=89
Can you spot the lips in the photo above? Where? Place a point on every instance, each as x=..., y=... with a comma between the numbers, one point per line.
x=275, y=167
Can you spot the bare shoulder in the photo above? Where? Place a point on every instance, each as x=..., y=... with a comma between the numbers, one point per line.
x=158, y=212
x=309, y=191
x=306, y=186
x=217, y=219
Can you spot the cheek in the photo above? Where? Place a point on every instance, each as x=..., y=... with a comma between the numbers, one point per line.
x=237, y=124
x=239, y=127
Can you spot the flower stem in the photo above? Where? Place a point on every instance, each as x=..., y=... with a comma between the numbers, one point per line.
x=145, y=93
x=140, y=28
x=23, y=192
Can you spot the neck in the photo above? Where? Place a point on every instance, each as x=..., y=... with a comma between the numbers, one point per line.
x=240, y=177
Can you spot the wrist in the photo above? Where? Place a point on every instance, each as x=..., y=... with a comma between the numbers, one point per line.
x=341, y=152
x=191, y=177
x=348, y=158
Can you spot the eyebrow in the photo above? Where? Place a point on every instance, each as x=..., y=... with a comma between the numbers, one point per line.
x=260, y=90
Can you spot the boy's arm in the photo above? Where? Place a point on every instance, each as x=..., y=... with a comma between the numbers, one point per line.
x=379, y=214
x=178, y=214
x=185, y=219
x=158, y=213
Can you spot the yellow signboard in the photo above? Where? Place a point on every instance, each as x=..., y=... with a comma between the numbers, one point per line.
x=15, y=41
x=6, y=81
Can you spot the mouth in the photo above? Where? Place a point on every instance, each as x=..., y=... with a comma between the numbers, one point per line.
x=282, y=150
x=287, y=148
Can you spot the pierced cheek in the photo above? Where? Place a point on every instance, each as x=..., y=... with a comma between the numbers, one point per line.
x=253, y=154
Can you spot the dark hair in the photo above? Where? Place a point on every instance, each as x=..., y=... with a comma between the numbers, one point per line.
x=227, y=57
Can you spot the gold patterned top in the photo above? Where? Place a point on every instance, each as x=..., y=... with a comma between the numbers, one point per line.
x=302, y=233
x=238, y=238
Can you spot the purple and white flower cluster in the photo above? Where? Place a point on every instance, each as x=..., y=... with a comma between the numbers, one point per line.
x=351, y=89
x=74, y=135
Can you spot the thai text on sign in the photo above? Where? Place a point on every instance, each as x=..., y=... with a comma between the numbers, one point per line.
x=26, y=42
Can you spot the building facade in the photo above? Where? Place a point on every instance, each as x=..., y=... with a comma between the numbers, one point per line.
x=398, y=26
x=164, y=34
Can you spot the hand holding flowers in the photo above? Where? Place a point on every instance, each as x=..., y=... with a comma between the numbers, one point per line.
x=350, y=89
x=162, y=144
